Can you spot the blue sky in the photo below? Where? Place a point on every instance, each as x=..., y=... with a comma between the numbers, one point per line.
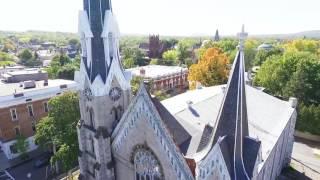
x=169, y=17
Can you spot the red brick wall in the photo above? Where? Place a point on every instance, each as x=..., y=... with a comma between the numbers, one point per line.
x=24, y=121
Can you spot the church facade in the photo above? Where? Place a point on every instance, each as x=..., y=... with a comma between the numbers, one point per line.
x=232, y=131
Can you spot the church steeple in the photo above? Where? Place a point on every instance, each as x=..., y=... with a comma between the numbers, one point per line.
x=232, y=120
x=104, y=86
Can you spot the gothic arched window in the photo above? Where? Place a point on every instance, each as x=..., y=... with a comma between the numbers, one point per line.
x=146, y=165
x=111, y=50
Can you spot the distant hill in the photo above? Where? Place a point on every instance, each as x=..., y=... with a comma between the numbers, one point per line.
x=315, y=34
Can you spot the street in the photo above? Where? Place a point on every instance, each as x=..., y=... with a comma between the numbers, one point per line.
x=21, y=172
x=304, y=158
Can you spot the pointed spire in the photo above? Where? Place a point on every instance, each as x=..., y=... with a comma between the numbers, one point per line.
x=232, y=119
x=96, y=10
x=217, y=37
x=242, y=37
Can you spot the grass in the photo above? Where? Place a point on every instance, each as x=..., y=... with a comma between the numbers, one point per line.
x=7, y=63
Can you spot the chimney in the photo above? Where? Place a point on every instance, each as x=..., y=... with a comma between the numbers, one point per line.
x=293, y=102
x=142, y=72
x=45, y=83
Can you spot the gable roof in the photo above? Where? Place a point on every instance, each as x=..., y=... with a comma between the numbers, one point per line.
x=159, y=123
x=180, y=136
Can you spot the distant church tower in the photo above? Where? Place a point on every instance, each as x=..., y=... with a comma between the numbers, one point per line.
x=104, y=89
x=217, y=37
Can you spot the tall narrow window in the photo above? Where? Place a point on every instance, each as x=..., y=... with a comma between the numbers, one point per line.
x=17, y=131
x=111, y=51
x=92, y=146
x=33, y=126
x=45, y=106
x=30, y=110
x=14, y=115
x=91, y=117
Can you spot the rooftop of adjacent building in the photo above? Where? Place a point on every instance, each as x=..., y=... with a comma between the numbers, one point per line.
x=268, y=116
x=155, y=71
x=12, y=92
x=24, y=72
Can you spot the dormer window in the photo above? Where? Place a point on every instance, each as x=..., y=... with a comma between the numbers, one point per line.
x=111, y=50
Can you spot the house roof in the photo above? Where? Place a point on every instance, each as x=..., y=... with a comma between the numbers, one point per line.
x=267, y=115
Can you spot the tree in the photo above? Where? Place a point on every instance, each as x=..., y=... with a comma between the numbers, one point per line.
x=212, y=69
x=183, y=49
x=27, y=59
x=135, y=84
x=154, y=62
x=170, y=57
x=292, y=74
x=59, y=129
x=128, y=63
x=63, y=67
x=311, y=46
x=22, y=147
x=136, y=54
x=309, y=118
x=262, y=55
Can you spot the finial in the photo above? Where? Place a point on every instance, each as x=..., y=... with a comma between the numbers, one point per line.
x=242, y=37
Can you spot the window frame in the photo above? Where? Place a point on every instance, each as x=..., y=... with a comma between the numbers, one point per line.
x=31, y=113
x=15, y=112
x=15, y=131
x=46, y=106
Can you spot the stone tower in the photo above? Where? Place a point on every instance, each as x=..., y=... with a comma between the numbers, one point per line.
x=104, y=89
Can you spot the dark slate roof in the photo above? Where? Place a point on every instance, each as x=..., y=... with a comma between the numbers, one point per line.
x=180, y=136
x=205, y=138
x=251, y=149
x=232, y=119
x=96, y=12
x=250, y=154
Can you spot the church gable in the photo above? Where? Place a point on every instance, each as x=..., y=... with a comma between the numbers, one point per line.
x=141, y=126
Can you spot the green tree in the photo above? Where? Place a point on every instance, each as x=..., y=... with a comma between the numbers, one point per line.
x=22, y=146
x=135, y=84
x=292, y=74
x=184, y=49
x=262, y=55
x=309, y=118
x=170, y=57
x=59, y=129
x=27, y=59
x=154, y=62
x=128, y=63
x=63, y=67
x=136, y=54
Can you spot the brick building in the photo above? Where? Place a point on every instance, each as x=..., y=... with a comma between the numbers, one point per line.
x=21, y=109
x=164, y=78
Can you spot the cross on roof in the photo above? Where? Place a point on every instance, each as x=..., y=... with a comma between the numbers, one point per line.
x=242, y=37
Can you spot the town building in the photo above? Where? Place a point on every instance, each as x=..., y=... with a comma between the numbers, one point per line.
x=224, y=132
x=7, y=69
x=265, y=46
x=163, y=78
x=25, y=75
x=21, y=108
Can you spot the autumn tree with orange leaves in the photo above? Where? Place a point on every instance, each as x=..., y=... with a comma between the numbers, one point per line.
x=212, y=69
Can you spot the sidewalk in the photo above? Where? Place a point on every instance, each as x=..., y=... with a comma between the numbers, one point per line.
x=6, y=163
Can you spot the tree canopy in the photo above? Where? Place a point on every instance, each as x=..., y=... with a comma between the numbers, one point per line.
x=212, y=69
x=27, y=59
x=59, y=129
x=170, y=57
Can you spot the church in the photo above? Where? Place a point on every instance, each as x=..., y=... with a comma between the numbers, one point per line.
x=227, y=132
